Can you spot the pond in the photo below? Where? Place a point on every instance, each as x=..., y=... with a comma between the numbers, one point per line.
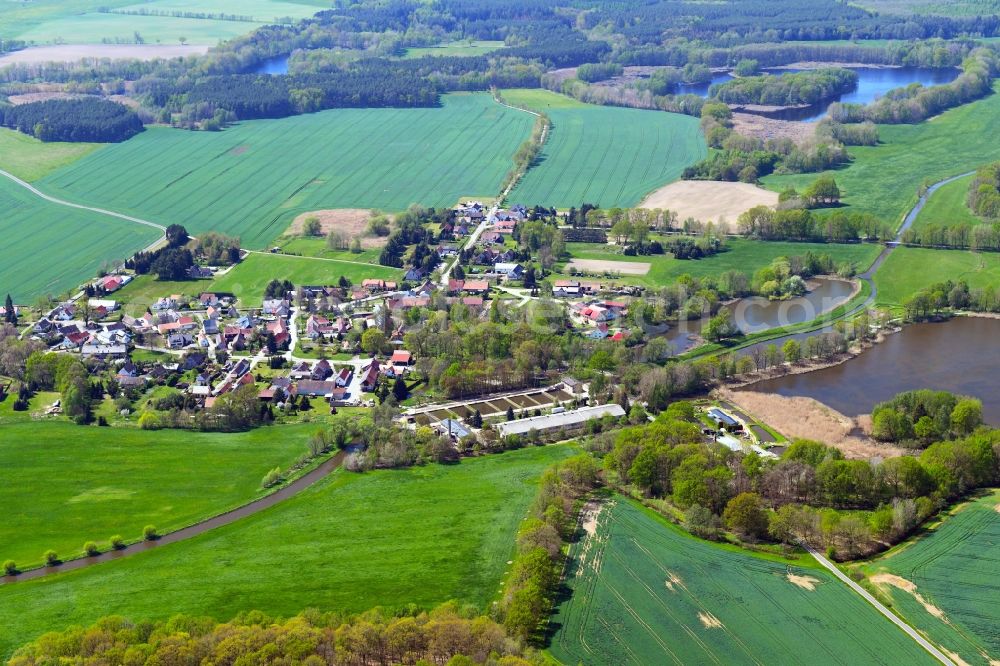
x=276, y=65
x=957, y=355
x=757, y=314
x=873, y=82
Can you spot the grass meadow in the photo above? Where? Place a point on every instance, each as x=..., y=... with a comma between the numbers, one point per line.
x=909, y=269
x=30, y=159
x=884, y=179
x=946, y=207
x=743, y=255
x=48, y=248
x=467, y=48
x=62, y=484
x=604, y=155
x=392, y=537
x=249, y=278
x=646, y=593
x=251, y=180
x=82, y=22
x=952, y=568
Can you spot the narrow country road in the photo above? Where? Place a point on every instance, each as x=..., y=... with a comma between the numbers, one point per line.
x=256, y=506
x=910, y=631
x=69, y=204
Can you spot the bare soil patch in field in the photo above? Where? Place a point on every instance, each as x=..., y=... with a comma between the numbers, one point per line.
x=910, y=587
x=805, y=418
x=709, y=200
x=762, y=127
x=805, y=582
x=351, y=221
x=609, y=266
x=709, y=621
x=74, y=52
x=28, y=98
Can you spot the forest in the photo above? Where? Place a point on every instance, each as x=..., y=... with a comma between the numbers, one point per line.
x=787, y=89
x=446, y=634
x=816, y=493
x=85, y=119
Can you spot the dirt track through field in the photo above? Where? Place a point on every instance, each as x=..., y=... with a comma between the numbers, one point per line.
x=249, y=509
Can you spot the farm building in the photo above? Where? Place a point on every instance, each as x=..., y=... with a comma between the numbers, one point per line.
x=565, y=420
x=723, y=420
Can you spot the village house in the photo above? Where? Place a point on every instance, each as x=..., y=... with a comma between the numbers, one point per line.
x=476, y=287
x=510, y=271
x=369, y=375
x=276, y=307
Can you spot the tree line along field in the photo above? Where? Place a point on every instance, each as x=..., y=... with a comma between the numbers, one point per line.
x=953, y=568
x=604, y=155
x=743, y=255
x=907, y=270
x=93, y=483
x=84, y=23
x=884, y=179
x=251, y=180
x=48, y=248
x=422, y=535
x=643, y=592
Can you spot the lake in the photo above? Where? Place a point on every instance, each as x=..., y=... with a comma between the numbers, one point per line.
x=873, y=82
x=275, y=66
x=957, y=355
x=757, y=314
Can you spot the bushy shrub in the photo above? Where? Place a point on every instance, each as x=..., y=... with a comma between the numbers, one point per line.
x=149, y=533
x=9, y=568
x=91, y=549
x=117, y=542
x=51, y=558
x=272, y=478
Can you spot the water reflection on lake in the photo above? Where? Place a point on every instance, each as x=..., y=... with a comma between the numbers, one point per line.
x=757, y=314
x=873, y=82
x=959, y=355
x=274, y=66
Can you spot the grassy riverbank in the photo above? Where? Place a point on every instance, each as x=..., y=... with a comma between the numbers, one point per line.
x=884, y=179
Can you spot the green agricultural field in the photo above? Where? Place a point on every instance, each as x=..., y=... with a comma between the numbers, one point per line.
x=953, y=568
x=908, y=270
x=390, y=538
x=250, y=277
x=48, y=248
x=253, y=179
x=743, y=255
x=946, y=206
x=604, y=155
x=62, y=484
x=884, y=179
x=644, y=592
x=468, y=48
x=30, y=159
x=84, y=23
